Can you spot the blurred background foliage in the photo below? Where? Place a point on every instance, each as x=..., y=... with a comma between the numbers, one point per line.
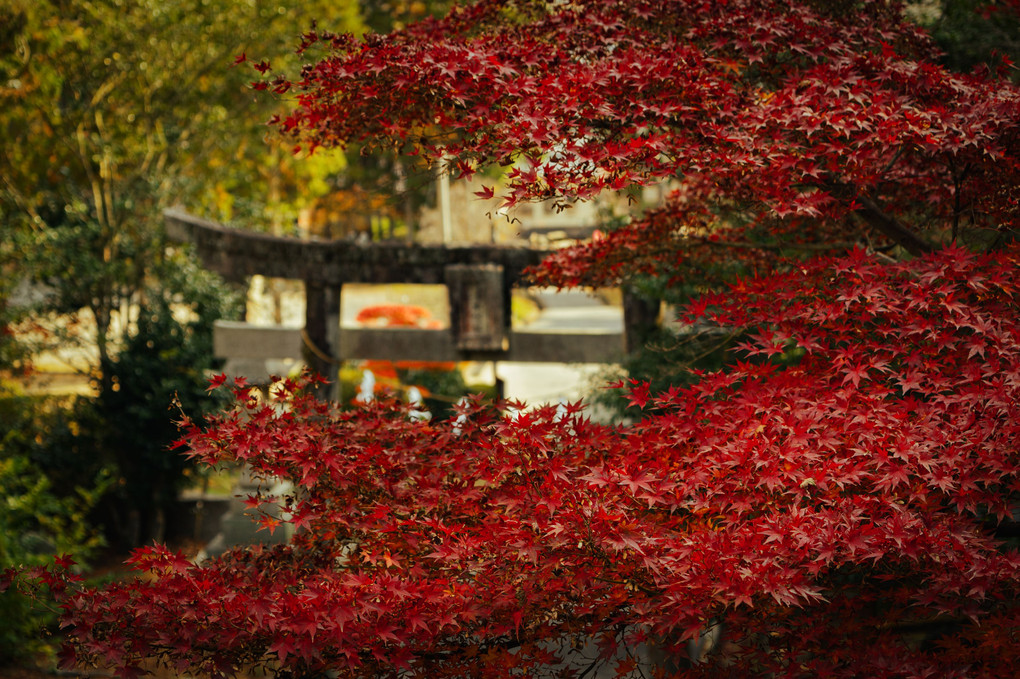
x=972, y=33
x=110, y=111
x=44, y=511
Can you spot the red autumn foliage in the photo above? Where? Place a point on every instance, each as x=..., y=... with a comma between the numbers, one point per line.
x=841, y=501
x=839, y=514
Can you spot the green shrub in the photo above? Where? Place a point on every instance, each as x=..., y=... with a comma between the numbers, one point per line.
x=37, y=522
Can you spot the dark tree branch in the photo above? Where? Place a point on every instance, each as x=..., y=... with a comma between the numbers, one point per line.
x=874, y=215
x=871, y=212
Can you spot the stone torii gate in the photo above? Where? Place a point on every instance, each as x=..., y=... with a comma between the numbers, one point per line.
x=479, y=279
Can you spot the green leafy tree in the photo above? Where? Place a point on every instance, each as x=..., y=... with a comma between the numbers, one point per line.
x=162, y=366
x=115, y=110
x=38, y=519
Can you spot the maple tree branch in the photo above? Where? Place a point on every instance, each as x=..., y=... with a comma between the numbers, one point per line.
x=747, y=245
x=644, y=589
x=874, y=215
x=592, y=666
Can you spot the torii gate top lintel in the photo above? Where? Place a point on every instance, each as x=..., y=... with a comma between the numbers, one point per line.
x=236, y=254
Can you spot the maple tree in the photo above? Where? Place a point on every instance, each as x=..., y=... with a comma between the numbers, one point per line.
x=838, y=500
x=834, y=514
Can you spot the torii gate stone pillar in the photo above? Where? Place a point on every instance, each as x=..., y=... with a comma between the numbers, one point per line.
x=322, y=333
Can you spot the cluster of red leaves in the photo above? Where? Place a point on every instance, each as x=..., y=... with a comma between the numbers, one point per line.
x=796, y=114
x=838, y=515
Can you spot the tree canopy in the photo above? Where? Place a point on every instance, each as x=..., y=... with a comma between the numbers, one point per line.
x=837, y=501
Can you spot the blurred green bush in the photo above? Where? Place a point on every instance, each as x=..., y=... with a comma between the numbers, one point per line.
x=37, y=520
